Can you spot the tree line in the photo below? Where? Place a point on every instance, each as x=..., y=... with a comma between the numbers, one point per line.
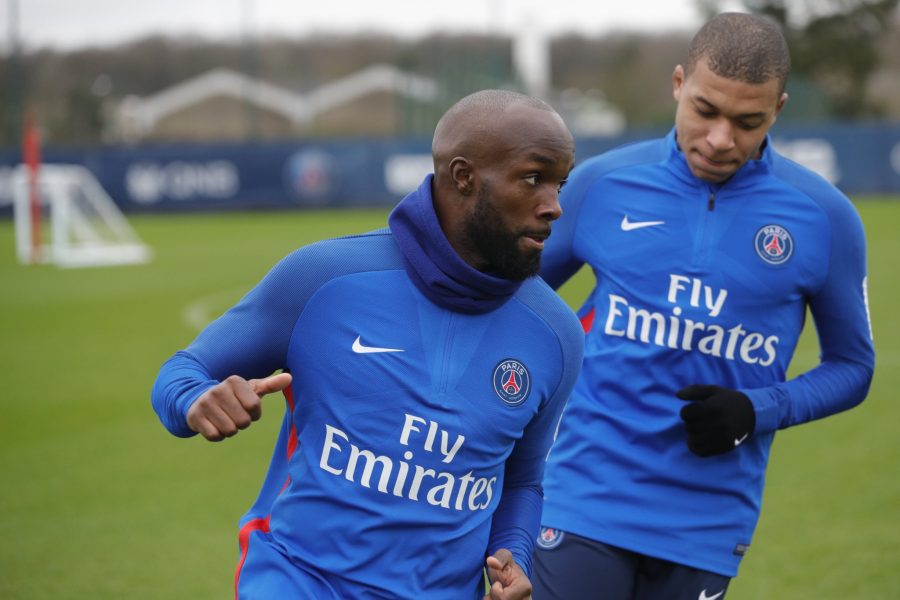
x=846, y=66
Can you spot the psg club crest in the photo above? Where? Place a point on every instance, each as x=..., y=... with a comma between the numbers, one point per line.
x=774, y=244
x=549, y=538
x=512, y=382
x=309, y=174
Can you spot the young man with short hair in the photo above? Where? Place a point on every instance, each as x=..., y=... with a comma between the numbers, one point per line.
x=708, y=247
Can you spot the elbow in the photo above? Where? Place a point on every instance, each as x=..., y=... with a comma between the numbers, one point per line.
x=867, y=374
x=863, y=372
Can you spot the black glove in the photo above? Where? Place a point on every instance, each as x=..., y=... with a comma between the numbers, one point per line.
x=717, y=419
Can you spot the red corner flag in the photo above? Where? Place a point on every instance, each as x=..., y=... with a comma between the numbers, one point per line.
x=31, y=155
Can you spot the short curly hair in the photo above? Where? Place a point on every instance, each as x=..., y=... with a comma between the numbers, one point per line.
x=742, y=47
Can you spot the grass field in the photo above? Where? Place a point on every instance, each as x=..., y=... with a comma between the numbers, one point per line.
x=98, y=501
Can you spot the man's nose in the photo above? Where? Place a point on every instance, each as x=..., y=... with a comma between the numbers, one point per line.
x=720, y=136
x=549, y=208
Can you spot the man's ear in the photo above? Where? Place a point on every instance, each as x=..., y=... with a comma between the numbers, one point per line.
x=462, y=176
x=677, y=82
x=781, y=102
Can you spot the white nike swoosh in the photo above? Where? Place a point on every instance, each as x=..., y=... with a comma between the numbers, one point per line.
x=631, y=225
x=360, y=349
x=740, y=440
x=703, y=595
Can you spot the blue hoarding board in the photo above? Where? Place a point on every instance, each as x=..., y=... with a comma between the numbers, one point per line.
x=859, y=159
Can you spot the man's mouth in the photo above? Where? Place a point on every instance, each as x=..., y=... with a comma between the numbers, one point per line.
x=536, y=239
x=713, y=162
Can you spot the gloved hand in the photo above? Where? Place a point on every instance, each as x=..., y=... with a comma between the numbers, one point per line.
x=717, y=419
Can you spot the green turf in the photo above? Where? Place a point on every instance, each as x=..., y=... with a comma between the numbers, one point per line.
x=98, y=501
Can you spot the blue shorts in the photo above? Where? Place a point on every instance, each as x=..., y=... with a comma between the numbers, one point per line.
x=569, y=566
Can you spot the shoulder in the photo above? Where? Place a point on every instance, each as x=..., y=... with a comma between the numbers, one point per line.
x=549, y=307
x=586, y=174
x=375, y=250
x=311, y=266
x=627, y=155
x=834, y=204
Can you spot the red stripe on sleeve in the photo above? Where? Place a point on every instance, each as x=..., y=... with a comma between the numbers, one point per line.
x=292, y=438
x=587, y=321
x=244, y=542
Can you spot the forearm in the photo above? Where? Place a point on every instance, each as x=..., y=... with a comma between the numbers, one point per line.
x=516, y=523
x=832, y=387
x=181, y=380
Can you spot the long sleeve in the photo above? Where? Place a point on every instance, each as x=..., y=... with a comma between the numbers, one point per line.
x=841, y=315
x=517, y=520
x=249, y=340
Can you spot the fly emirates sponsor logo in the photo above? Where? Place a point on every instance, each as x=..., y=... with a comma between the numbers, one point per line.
x=406, y=480
x=673, y=331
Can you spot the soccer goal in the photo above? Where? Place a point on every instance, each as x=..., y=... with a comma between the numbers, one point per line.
x=66, y=218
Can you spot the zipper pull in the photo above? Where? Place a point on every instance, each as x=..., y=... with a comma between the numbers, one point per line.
x=711, y=202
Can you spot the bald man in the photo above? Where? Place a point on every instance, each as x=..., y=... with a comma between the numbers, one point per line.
x=424, y=368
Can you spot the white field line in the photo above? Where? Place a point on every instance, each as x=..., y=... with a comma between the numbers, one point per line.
x=199, y=313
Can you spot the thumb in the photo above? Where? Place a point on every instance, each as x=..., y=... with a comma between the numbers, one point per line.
x=274, y=383
x=493, y=562
x=696, y=392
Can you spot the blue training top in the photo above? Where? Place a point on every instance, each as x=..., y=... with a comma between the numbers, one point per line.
x=424, y=399
x=697, y=283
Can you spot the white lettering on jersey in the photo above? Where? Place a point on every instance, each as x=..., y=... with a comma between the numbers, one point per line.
x=865, y=291
x=433, y=428
x=674, y=331
x=677, y=284
x=400, y=478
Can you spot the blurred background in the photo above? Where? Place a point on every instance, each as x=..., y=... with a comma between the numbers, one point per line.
x=196, y=143
x=250, y=103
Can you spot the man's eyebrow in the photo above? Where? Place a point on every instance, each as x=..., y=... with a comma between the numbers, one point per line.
x=541, y=158
x=710, y=105
x=707, y=103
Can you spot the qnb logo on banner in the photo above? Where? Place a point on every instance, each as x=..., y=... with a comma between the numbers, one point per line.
x=150, y=183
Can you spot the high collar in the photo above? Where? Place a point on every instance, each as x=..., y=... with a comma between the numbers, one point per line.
x=434, y=266
x=678, y=164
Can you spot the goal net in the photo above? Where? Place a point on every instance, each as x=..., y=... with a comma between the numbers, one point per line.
x=66, y=218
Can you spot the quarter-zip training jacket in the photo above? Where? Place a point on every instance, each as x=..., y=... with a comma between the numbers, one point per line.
x=697, y=284
x=423, y=403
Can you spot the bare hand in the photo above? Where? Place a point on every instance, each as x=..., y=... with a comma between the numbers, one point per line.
x=508, y=580
x=232, y=405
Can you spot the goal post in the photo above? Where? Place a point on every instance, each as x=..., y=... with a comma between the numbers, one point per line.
x=85, y=227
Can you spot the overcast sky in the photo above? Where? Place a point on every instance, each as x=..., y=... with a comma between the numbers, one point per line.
x=76, y=23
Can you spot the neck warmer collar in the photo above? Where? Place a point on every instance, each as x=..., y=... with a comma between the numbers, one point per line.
x=434, y=266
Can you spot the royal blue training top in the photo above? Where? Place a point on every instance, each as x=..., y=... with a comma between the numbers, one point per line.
x=424, y=399
x=697, y=283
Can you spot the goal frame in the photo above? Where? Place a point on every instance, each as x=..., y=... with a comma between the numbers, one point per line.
x=74, y=241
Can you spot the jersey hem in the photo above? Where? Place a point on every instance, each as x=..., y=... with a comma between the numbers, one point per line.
x=642, y=547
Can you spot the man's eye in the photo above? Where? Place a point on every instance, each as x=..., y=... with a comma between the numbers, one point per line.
x=532, y=179
x=562, y=184
x=706, y=114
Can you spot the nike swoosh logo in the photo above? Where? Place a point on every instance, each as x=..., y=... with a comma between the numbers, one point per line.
x=360, y=349
x=740, y=440
x=703, y=595
x=632, y=225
